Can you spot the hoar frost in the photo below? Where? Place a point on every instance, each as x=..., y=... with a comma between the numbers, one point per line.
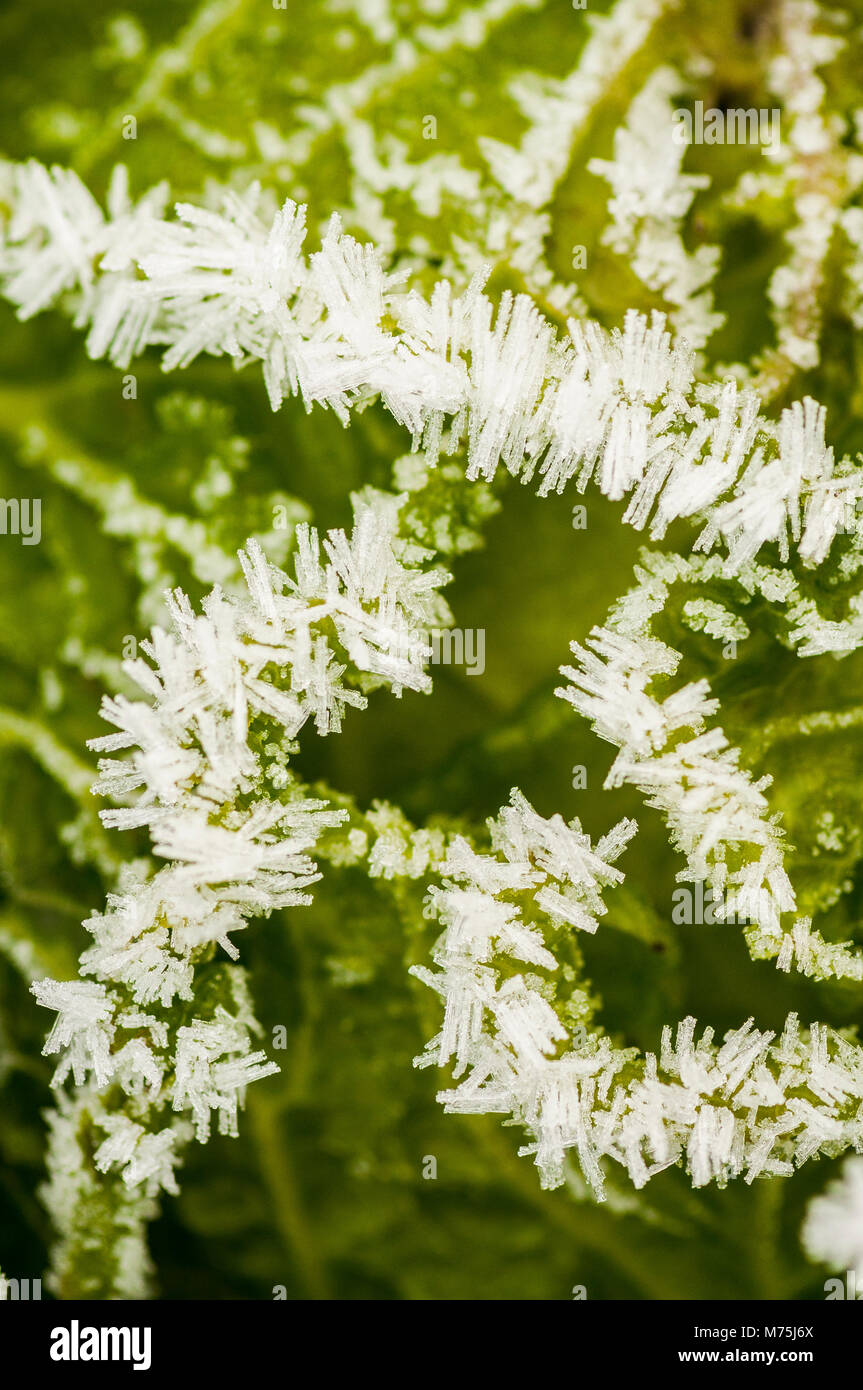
x=492, y=383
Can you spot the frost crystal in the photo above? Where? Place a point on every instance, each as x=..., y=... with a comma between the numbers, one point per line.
x=217, y=686
x=336, y=327
x=157, y=1042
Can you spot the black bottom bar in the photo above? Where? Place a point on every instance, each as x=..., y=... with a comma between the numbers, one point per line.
x=89, y=1341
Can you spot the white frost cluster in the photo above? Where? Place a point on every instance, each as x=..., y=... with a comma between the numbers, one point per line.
x=650, y=198
x=717, y=814
x=749, y=1106
x=58, y=241
x=559, y=110
x=833, y=1230
x=224, y=691
x=624, y=408
x=228, y=689
x=542, y=867
x=814, y=163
